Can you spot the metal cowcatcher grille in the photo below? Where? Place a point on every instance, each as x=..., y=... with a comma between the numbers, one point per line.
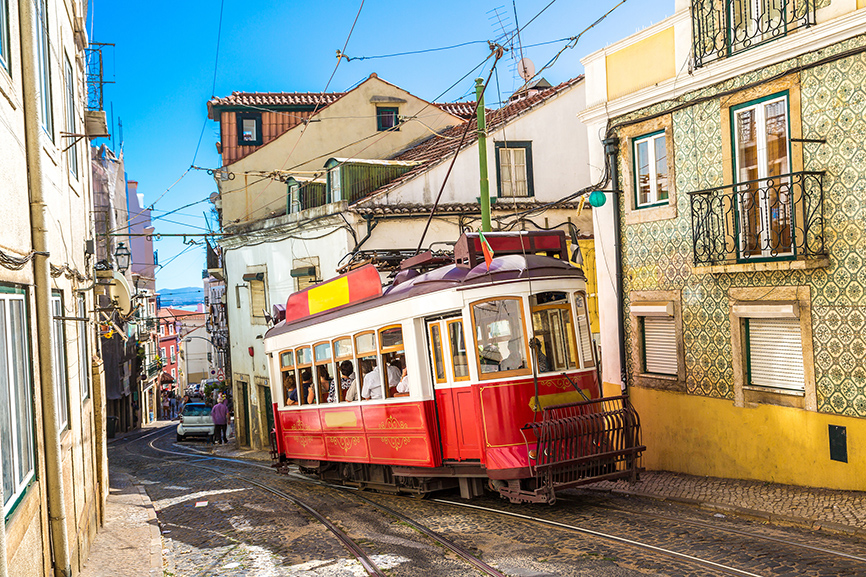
x=585, y=442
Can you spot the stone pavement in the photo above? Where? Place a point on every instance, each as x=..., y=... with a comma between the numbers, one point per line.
x=826, y=509
x=131, y=537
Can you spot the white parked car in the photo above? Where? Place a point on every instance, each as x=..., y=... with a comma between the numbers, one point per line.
x=195, y=420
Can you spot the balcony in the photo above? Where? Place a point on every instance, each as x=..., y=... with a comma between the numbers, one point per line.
x=721, y=28
x=154, y=369
x=775, y=218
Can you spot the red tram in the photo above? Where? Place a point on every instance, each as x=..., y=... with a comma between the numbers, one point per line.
x=462, y=375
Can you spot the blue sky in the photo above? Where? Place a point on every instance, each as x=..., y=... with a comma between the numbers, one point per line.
x=163, y=72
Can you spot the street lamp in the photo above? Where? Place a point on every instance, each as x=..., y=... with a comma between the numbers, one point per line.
x=122, y=256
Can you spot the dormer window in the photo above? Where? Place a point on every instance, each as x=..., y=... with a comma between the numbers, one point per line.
x=387, y=118
x=249, y=129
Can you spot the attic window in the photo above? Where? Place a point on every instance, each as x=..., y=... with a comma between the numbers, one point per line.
x=249, y=129
x=387, y=118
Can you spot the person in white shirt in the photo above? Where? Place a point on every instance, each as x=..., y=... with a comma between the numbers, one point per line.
x=403, y=385
x=372, y=384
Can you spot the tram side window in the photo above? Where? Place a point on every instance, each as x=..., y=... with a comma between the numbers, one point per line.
x=436, y=350
x=325, y=385
x=393, y=358
x=345, y=370
x=499, y=340
x=583, y=331
x=555, y=347
x=459, y=359
x=290, y=382
x=304, y=363
x=368, y=366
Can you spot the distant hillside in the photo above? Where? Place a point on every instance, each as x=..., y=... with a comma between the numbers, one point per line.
x=188, y=296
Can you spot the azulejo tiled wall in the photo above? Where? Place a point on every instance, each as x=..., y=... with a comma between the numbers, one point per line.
x=658, y=255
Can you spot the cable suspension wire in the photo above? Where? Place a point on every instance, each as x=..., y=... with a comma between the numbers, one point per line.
x=497, y=51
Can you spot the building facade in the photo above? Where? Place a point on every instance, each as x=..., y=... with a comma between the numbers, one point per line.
x=52, y=418
x=734, y=131
x=359, y=187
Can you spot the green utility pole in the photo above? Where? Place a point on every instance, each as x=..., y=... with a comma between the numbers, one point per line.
x=482, y=156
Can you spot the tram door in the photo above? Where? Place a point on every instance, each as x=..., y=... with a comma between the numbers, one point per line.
x=458, y=423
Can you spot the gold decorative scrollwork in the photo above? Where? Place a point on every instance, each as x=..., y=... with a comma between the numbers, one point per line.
x=301, y=426
x=301, y=440
x=395, y=443
x=344, y=443
x=393, y=423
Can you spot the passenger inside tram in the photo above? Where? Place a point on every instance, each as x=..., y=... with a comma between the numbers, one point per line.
x=402, y=389
x=372, y=380
x=290, y=388
x=327, y=388
x=540, y=358
x=308, y=392
x=395, y=373
x=348, y=382
x=514, y=360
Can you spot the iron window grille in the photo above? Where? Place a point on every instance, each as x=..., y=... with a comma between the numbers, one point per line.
x=717, y=213
x=721, y=28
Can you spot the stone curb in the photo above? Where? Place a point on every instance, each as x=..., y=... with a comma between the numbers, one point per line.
x=155, y=546
x=773, y=518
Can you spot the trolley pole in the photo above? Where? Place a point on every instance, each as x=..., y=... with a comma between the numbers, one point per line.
x=482, y=155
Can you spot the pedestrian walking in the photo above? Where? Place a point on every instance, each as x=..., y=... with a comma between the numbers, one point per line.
x=219, y=414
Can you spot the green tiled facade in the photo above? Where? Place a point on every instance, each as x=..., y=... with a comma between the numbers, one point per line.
x=658, y=255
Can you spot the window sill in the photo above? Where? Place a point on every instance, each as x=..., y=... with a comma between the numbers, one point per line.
x=660, y=382
x=782, y=265
x=650, y=214
x=755, y=396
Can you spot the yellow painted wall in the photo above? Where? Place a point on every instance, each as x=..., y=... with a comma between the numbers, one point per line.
x=861, y=4
x=706, y=436
x=641, y=64
x=587, y=249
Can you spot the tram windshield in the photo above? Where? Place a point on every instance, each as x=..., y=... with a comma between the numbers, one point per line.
x=554, y=344
x=499, y=337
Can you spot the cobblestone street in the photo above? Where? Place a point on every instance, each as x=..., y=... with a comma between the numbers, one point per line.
x=221, y=517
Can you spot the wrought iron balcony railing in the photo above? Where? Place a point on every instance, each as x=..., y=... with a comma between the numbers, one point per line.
x=154, y=368
x=721, y=28
x=775, y=218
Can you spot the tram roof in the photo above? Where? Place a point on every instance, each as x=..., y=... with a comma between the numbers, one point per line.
x=409, y=283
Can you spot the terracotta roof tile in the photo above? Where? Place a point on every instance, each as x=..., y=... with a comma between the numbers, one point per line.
x=464, y=110
x=268, y=99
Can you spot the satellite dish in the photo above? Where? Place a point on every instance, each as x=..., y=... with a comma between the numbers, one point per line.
x=526, y=69
x=120, y=293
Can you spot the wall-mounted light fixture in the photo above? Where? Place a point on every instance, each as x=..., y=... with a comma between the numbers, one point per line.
x=122, y=257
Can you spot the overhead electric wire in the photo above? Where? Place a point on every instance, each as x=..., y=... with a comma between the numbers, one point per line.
x=411, y=52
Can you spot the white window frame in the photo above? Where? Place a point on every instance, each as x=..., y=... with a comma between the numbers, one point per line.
x=5, y=44
x=18, y=401
x=759, y=107
x=172, y=356
x=43, y=48
x=505, y=153
x=83, y=350
x=61, y=372
x=652, y=161
x=71, y=112
x=335, y=183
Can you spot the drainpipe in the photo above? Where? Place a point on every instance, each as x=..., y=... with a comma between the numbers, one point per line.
x=42, y=288
x=611, y=149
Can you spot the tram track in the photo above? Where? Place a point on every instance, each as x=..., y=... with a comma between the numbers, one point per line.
x=729, y=530
x=351, y=545
x=687, y=559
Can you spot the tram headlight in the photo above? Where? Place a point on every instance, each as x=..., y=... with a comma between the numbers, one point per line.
x=533, y=454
